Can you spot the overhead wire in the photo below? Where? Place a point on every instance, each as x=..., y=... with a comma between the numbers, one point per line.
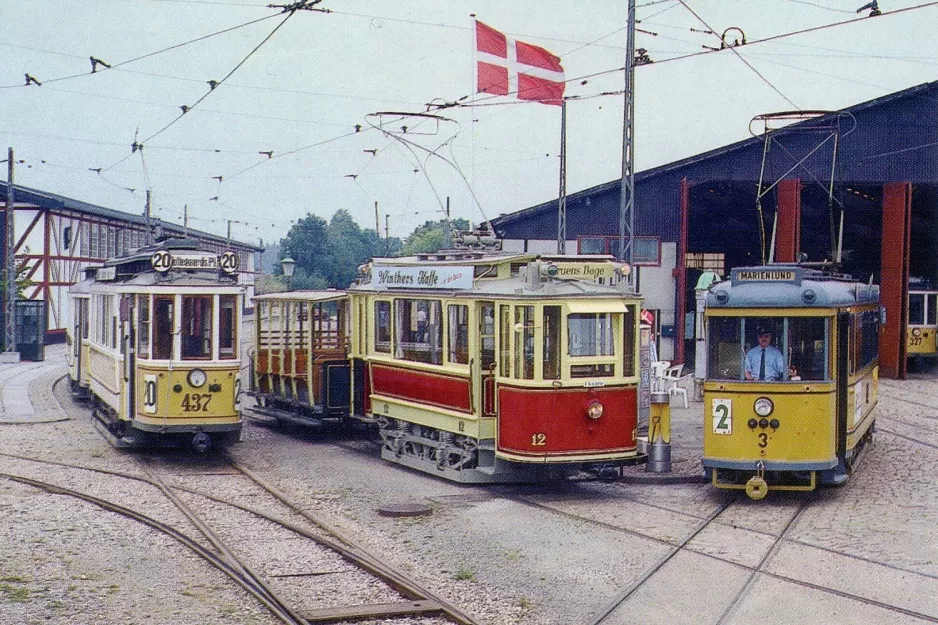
x=740, y=57
x=114, y=66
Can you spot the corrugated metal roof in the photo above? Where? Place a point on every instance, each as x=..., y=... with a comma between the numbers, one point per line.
x=697, y=159
x=52, y=201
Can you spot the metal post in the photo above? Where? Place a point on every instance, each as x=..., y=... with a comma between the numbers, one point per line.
x=627, y=187
x=9, y=250
x=447, y=229
x=147, y=216
x=185, y=220
x=562, y=205
x=659, y=434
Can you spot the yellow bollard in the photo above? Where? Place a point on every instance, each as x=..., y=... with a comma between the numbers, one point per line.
x=659, y=434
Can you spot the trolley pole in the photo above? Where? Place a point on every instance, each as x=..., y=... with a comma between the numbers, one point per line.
x=9, y=335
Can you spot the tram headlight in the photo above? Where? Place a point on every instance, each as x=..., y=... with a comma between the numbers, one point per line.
x=594, y=410
x=763, y=406
x=196, y=378
x=916, y=332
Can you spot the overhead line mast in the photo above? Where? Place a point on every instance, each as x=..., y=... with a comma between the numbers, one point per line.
x=627, y=186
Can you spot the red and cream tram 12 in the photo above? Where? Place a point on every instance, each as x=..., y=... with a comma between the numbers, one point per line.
x=497, y=367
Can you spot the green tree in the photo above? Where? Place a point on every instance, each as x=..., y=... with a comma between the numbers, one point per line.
x=307, y=243
x=430, y=237
x=349, y=247
x=329, y=254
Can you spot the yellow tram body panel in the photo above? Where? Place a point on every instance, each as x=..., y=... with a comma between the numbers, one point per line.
x=164, y=396
x=792, y=377
x=806, y=431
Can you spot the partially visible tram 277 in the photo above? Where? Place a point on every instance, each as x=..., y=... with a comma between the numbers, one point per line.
x=160, y=334
x=792, y=377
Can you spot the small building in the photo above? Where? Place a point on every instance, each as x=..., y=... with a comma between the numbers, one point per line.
x=57, y=237
x=875, y=165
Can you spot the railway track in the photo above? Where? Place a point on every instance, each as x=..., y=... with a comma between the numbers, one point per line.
x=403, y=595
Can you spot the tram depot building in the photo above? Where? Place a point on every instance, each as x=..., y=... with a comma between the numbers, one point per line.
x=57, y=237
x=701, y=213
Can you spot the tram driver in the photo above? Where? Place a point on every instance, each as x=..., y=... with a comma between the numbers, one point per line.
x=764, y=361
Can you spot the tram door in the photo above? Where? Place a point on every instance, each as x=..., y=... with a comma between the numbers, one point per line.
x=486, y=316
x=128, y=345
x=78, y=335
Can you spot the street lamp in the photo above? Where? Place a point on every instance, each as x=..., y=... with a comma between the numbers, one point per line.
x=288, y=265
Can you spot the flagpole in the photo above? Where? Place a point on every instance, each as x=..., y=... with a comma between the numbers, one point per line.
x=627, y=186
x=473, y=76
x=562, y=205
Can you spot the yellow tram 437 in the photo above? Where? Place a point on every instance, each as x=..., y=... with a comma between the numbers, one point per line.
x=497, y=367
x=792, y=377
x=160, y=329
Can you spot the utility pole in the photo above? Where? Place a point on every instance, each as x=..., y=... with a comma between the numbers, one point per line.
x=9, y=334
x=147, y=217
x=447, y=229
x=229, y=233
x=377, y=222
x=185, y=220
x=627, y=187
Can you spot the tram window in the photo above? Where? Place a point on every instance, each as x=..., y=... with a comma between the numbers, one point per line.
x=590, y=334
x=930, y=313
x=487, y=333
x=302, y=323
x=724, y=361
x=504, y=340
x=287, y=321
x=263, y=324
x=197, y=327
x=419, y=330
x=916, y=309
x=86, y=318
x=552, y=349
x=143, y=326
x=227, y=328
x=806, y=353
x=163, y=328
x=628, y=341
x=591, y=371
x=865, y=348
x=383, y=327
x=524, y=342
x=326, y=325
x=458, y=333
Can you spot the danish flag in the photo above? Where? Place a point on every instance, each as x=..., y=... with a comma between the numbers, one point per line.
x=506, y=66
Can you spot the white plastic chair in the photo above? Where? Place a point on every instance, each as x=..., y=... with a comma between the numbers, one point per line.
x=673, y=378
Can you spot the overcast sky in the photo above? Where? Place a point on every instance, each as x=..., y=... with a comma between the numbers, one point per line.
x=302, y=94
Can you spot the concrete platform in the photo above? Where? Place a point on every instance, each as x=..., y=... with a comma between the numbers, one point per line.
x=26, y=389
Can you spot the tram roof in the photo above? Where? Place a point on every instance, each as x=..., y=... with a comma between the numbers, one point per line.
x=515, y=287
x=789, y=286
x=202, y=279
x=301, y=296
x=457, y=257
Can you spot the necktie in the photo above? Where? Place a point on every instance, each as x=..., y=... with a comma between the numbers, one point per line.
x=762, y=366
